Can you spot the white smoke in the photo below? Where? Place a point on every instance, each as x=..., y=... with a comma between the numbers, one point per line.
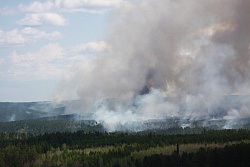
x=197, y=50
x=130, y=114
x=12, y=118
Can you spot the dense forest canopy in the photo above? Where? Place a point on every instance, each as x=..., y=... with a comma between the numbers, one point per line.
x=212, y=147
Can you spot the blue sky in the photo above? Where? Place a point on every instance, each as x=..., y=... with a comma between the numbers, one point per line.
x=40, y=42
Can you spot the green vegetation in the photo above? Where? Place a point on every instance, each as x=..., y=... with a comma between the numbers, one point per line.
x=63, y=123
x=208, y=148
x=10, y=111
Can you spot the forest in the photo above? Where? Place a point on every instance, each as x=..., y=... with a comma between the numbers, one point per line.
x=119, y=149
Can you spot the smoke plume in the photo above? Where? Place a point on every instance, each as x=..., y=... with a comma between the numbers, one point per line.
x=168, y=58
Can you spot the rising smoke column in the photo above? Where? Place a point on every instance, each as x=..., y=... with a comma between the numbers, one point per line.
x=198, y=51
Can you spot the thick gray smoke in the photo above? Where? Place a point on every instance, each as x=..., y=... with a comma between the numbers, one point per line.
x=186, y=54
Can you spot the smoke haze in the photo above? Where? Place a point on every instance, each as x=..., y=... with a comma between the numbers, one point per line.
x=186, y=54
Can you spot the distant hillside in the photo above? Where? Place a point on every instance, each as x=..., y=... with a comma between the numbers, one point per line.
x=10, y=111
x=46, y=117
x=73, y=123
x=62, y=123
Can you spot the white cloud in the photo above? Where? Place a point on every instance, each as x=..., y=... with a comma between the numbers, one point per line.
x=43, y=64
x=99, y=46
x=88, y=6
x=7, y=11
x=13, y=37
x=71, y=5
x=1, y=61
x=49, y=62
x=24, y=36
x=37, y=19
x=47, y=53
x=33, y=33
x=36, y=7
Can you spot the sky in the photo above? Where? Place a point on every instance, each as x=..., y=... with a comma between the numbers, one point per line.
x=194, y=52
x=42, y=41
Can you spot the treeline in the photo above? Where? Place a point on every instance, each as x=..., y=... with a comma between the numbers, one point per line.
x=15, y=156
x=118, y=149
x=82, y=139
x=234, y=155
x=62, y=123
